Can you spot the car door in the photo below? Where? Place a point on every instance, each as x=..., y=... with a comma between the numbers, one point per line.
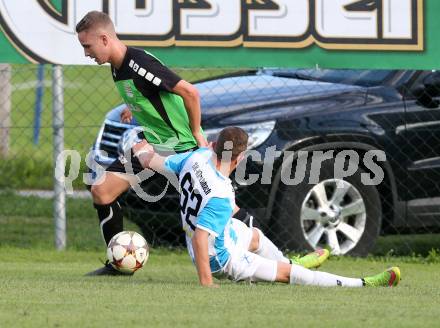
x=422, y=146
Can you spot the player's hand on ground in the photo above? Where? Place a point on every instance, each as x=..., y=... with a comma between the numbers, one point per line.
x=126, y=115
x=200, y=139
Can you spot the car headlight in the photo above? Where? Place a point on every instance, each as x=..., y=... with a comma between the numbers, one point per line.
x=257, y=132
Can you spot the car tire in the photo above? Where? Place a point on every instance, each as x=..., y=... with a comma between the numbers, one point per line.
x=350, y=226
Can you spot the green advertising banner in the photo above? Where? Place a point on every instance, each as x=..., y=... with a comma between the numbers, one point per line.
x=234, y=33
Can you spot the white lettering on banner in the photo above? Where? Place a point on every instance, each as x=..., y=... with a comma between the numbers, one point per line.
x=223, y=18
x=155, y=17
x=40, y=35
x=363, y=22
x=332, y=22
x=290, y=19
x=397, y=23
x=335, y=23
x=43, y=34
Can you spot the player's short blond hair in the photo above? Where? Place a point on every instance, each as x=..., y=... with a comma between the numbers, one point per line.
x=233, y=139
x=94, y=20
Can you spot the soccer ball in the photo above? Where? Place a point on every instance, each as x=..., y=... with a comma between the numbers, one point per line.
x=127, y=251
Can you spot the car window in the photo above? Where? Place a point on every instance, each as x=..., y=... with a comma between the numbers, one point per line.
x=366, y=78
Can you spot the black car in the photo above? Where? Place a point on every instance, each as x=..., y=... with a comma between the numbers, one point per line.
x=337, y=156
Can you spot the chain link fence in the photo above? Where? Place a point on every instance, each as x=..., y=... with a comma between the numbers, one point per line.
x=336, y=159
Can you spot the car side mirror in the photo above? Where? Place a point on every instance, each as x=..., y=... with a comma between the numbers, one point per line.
x=426, y=92
x=432, y=84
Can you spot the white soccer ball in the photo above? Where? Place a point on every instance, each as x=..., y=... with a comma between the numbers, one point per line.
x=128, y=251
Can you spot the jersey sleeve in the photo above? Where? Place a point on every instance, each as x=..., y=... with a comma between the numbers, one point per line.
x=215, y=215
x=175, y=163
x=154, y=74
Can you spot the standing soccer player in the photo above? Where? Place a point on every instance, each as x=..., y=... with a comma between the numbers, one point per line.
x=160, y=101
x=225, y=247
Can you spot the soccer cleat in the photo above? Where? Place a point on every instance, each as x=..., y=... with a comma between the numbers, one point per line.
x=108, y=270
x=312, y=260
x=388, y=278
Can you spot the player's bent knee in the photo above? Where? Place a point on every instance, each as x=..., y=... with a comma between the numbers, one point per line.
x=255, y=241
x=100, y=195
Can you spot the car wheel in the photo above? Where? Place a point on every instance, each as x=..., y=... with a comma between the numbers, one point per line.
x=342, y=214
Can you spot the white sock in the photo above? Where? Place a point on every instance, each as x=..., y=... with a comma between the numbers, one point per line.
x=303, y=276
x=268, y=250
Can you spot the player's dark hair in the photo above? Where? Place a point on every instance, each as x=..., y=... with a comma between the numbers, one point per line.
x=93, y=19
x=231, y=139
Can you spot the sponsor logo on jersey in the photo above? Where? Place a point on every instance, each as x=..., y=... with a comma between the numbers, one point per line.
x=202, y=180
x=133, y=108
x=128, y=90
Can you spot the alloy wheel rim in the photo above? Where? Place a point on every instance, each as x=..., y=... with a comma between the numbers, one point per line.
x=333, y=214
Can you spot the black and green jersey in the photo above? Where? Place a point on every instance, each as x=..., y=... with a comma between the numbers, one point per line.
x=145, y=84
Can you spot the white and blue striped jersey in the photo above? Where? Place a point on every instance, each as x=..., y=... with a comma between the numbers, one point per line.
x=207, y=201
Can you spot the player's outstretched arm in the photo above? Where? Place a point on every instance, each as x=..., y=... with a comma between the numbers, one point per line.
x=191, y=98
x=148, y=157
x=200, y=246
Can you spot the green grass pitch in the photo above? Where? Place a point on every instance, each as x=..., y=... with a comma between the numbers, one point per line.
x=40, y=287
x=47, y=289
